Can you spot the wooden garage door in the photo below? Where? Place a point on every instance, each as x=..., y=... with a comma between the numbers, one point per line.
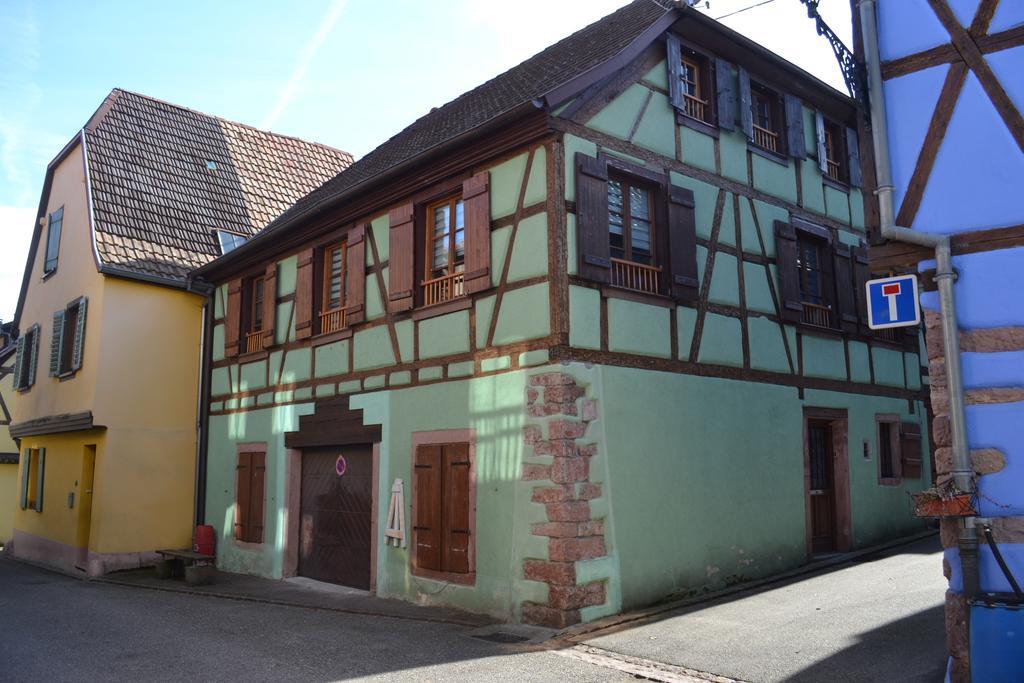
x=335, y=523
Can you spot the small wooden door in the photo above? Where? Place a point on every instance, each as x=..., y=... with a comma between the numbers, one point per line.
x=822, y=494
x=336, y=515
x=84, y=503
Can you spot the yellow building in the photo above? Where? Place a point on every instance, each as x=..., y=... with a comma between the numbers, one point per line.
x=8, y=447
x=110, y=327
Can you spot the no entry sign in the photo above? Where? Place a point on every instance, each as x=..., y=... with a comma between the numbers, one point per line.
x=892, y=302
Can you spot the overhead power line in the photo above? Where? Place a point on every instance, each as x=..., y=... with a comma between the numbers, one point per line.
x=758, y=4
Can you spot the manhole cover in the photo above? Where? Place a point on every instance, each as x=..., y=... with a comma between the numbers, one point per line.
x=501, y=637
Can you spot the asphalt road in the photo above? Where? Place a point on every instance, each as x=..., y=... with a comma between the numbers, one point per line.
x=877, y=619
x=54, y=628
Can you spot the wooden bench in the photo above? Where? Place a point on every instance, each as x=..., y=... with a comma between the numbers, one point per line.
x=198, y=569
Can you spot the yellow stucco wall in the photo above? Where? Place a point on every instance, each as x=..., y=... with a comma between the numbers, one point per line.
x=139, y=377
x=8, y=500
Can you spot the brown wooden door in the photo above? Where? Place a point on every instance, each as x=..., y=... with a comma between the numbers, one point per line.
x=335, y=516
x=822, y=495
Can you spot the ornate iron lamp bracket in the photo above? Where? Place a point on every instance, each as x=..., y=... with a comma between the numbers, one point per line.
x=853, y=69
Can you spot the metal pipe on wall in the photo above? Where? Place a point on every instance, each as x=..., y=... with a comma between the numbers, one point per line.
x=945, y=276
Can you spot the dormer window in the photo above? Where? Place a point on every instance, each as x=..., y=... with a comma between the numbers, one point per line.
x=229, y=241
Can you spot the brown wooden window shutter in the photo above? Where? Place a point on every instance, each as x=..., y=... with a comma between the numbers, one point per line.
x=592, y=217
x=861, y=275
x=243, y=475
x=846, y=287
x=269, y=304
x=304, y=294
x=853, y=157
x=795, y=127
x=250, y=482
x=355, y=276
x=401, y=257
x=910, y=450
x=426, y=514
x=726, y=97
x=674, y=57
x=456, y=522
x=682, y=243
x=233, y=321
x=786, y=267
x=476, y=199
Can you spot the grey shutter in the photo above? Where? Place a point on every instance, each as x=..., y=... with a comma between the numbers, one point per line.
x=819, y=128
x=795, y=127
x=846, y=289
x=726, y=101
x=592, y=217
x=56, y=343
x=33, y=356
x=746, y=114
x=789, y=278
x=76, y=352
x=682, y=242
x=674, y=57
x=26, y=465
x=19, y=357
x=853, y=157
x=40, y=475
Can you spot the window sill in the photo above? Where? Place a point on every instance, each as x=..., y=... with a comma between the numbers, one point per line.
x=828, y=331
x=696, y=124
x=65, y=376
x=253, y=356
x=247, y=545
x=327, y=338
x=613, y=292
x=890, y=482
x=47, y=275
x=447, y=577
x=460, y=304
x=836, y=184
x=768, y=154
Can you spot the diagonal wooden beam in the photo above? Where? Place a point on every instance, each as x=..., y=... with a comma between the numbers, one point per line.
x=955, y=79
x=983, y=18
x=968, y=49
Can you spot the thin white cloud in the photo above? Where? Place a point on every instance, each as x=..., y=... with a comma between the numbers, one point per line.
x=295, y=80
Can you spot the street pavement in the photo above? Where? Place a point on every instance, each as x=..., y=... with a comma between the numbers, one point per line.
x=879, y=618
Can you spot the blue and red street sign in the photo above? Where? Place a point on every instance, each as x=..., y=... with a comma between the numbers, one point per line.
x=892, y=302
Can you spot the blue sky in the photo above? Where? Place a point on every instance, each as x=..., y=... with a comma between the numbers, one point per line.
x=347, y=73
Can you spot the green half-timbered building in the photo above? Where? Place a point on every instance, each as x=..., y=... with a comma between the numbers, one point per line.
x=592, y=328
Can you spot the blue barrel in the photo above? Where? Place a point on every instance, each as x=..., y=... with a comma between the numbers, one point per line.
x=997, y=639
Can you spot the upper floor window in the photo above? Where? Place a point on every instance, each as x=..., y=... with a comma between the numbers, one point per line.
x=766, y=112
x=690, y=90
x=835, y=152
x=332, y=291
x=446, y=251
x=631, y=235
x=810, y=264
x=254, y=314
x=229, y=241
x=68, y=339
x=25, y=359
x=53, y=230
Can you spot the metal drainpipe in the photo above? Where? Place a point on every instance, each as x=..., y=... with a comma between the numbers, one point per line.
x=945, y=276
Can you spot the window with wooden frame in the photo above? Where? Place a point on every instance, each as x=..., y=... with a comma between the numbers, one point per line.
x=250, y=491
x=443, y=511
x=888, y=429
x=53, y=229
x=767, y=117
x=838, y=151
x=445, y=251
x=631, y=227
x=811, y=257
x=333, y=288
x=25, y=359
x=835, y=152
x=33, y=474
x=68, y=339
x=692, y=89
x=254, y=293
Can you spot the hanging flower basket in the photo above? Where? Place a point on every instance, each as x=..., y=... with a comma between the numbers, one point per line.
x=944, y=501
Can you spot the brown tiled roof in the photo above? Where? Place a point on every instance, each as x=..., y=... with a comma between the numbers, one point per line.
x=557, y=65
x=156, y=203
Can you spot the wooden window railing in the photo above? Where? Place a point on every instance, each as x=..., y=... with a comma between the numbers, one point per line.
x=694, y=107
x=254, y=341
x=817, y=315
x=636, y=276
x=889, y=334
x=832, y=169
x=766, y=138
x=332, y=321
x=444, y=288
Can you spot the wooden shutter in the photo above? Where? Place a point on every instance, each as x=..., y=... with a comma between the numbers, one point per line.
x=674, y=57
x=592, y=217
x=243, y=478
x=257, y=482
x=76, y=352
x=910, y=450
x=56, y=343
x=426, y=514
x=402, y=249
x=795, y=127
x=19, y=360
x=33, y=355
x=355, y=275
x=819, y=131
x=476, y=199
x=304, y=294
x=40, y=476
x=26, y=466
x=789, y=279
x=861, y=275
x=853, y=157
x=456, y=523
x=746, y=113
x=846, y=293
x=726, y=98
x=233, y=318
x=269, y=304
x=682, y=241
